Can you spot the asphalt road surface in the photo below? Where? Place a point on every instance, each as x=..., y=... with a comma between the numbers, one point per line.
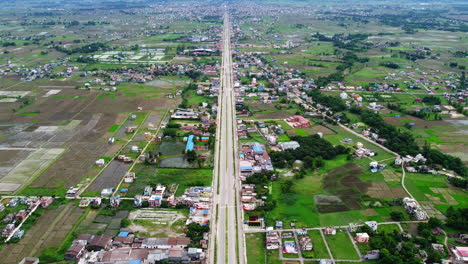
x=227, y=240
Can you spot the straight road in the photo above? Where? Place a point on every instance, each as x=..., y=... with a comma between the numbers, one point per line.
x=227, y=239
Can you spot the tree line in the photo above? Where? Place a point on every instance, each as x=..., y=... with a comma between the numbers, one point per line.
x=404, y=143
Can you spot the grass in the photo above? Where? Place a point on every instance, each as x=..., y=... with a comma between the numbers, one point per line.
x=254, y=137
x=283, y=138
x=299, y=206
x=30, y=114
x=304, y=213
x=336, y=139
x=301, y=132
x=113, y=128
x=30, y=191
x=150, y=175
x=256, y=248
x=319, y=250
x=388, y=228
x=422, y=185
x=341, y=246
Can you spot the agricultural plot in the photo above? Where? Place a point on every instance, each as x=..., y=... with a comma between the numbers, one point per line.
x=27, y=169
x=96, y=223
x=434, y=193
x=110, y=177
x=50, y=230
x=332, y=196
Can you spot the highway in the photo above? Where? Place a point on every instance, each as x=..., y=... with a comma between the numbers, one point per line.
x=227, y=237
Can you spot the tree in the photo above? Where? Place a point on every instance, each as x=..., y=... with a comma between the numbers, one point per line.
x=125, y=223
x=397, y=215
x=365, y=229
x=171, y=132
x=433, y=257
x=308, y=162
x=191, y=155
x=434, y=222
x=195, y=233
x=319, y=162
x=287, y=186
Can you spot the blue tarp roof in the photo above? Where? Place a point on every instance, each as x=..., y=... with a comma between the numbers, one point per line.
x=190, y=144
x=134, y=262
x=257, y=149
x=123, y=234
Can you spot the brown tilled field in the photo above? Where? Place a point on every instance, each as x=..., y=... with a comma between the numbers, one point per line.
x=270, y=116
x=381, y=190
x=319, y=128
x=91, y=113
x=344, y=183
x=419, y=123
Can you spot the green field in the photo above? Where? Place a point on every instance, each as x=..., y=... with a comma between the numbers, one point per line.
x=113, y=128
x=388, y=228
x=283, y=138
x=150, y=175
x=319, y=250
x=256, y=251
x=435, y=188
x=305, y=213
x=341, y=245
x=256, y=248
x=336, y=139
x=254, y=137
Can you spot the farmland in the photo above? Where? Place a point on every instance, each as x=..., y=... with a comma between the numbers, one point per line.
x=50, y=231
x=344, y=113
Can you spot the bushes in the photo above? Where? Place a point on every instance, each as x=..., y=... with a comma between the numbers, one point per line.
x=195, y=233
x=431, y=100
x=89, y=48
x=125, y=223
x=390, y=65
x=334, y=103
x=457, y=218
x=397, y=216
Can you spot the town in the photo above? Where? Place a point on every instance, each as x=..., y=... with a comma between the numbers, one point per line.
x=144, y=132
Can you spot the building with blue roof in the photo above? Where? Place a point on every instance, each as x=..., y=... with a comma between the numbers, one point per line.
x=190, y=144
x=258, y=149
x=123, y=234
